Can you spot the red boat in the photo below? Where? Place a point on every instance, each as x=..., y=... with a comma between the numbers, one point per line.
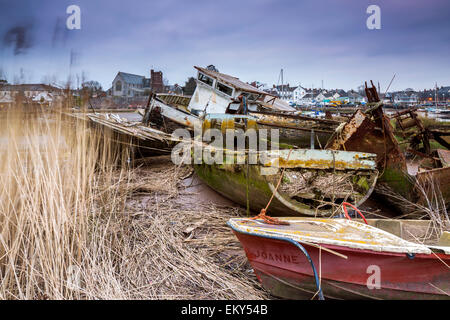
x=343, y=259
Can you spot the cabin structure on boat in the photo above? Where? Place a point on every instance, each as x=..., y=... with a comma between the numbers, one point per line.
x=215, y=91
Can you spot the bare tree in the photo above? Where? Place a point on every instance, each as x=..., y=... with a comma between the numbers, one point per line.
x=189, y=86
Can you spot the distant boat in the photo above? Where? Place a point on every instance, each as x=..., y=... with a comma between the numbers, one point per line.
x=345, y=259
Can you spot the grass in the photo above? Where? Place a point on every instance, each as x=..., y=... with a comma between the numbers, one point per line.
x=73, y=226
x=429, y=205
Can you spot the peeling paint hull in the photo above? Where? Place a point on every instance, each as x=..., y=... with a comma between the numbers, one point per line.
x=231, y=181
x=147, y=141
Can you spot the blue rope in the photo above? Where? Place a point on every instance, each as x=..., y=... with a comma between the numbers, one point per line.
x=295, y=243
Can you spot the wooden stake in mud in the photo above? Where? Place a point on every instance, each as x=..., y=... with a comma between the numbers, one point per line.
x=247, y=146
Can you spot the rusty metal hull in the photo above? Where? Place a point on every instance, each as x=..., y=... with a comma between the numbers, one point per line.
x=361, y=133
x=232, y=181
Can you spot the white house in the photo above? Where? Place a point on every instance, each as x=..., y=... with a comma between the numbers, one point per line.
x=307, y=99
x=406, y=97
x=298, y=93
x=35, y=93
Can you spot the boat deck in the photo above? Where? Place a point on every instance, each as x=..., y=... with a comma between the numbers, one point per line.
x=336, y=232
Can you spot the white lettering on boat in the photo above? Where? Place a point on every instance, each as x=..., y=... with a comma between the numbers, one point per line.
x=277, y=257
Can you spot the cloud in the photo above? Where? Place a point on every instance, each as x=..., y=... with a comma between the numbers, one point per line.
x=312, y=40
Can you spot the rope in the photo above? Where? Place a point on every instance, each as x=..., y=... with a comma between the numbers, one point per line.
x=262, y=215
x=344, y=206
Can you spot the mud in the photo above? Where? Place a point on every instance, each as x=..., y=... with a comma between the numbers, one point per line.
x=193, y=193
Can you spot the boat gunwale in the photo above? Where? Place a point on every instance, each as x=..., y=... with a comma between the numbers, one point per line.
x=419, y=251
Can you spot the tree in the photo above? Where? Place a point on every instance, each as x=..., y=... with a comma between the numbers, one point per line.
x=91, y=87
x=189, y=86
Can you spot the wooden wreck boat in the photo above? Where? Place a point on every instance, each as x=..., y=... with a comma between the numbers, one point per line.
x=307, y=182
x=296, y=129
x=371, y=131
x=142, y=139
x=218, y=93
x=343, y=259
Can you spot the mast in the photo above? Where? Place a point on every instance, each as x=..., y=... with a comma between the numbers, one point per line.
x=435, y=95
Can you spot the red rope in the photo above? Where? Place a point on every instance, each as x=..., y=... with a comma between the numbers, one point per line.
x=262, y=215
x=345, y=204
x=269, y=220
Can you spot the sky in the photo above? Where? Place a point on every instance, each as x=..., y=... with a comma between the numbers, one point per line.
x=311, y=40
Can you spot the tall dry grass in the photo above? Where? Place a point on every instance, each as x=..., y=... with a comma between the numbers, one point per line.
x=68, y=229
x=50, y=172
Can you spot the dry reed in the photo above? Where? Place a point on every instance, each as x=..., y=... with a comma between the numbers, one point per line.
x=77, y=223
x=430, y=205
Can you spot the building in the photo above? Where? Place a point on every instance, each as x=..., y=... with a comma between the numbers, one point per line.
x=156, y=81
x=284, y=92
x=307, y=99
x=129, y=85
x=355, y=97
x=132, y=85
x=298, y=93
x=405, y=97
x=29, y=94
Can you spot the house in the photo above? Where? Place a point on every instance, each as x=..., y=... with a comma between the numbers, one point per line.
x=320, y=96
x=6, y=98
x=336, y=93
x=307, y=99
x=298, y=93
x=132, y=85
x=29, y=93
x=285, y=92
x=406, y=97
x=444, y=94
x=355, y=98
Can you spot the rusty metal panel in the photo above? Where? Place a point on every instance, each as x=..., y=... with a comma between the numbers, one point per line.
x=363, y=134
